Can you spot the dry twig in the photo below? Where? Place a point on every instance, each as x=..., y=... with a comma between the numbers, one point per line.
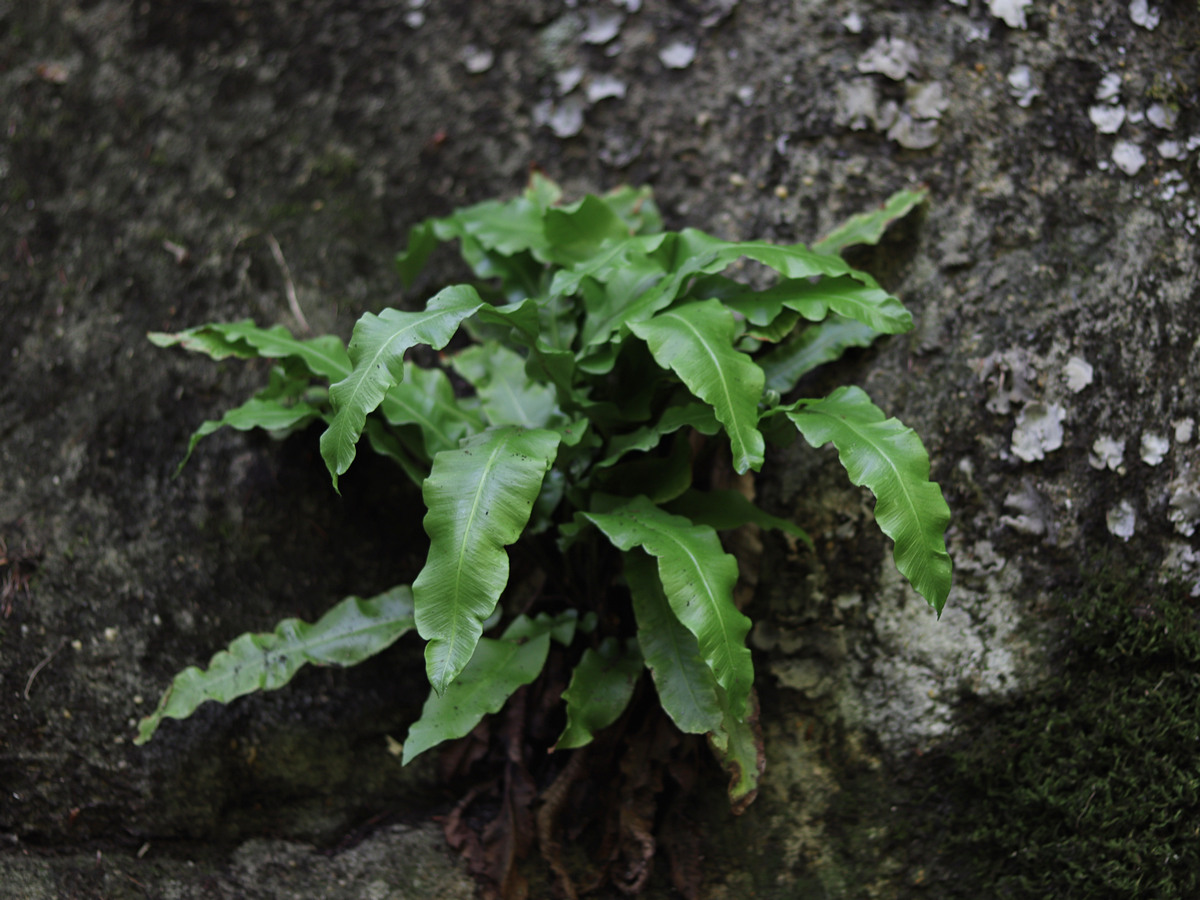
x=289, y=287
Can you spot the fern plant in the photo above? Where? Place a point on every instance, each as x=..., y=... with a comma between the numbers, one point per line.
x=601, y=365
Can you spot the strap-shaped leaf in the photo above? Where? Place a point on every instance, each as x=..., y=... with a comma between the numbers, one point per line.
x=725, y=510
x=600, y=689
x=639, y=288
x=509, y=396
x=685, y=684
x=516, y=323
x=352, y=631
x=281, y=407
x=506, y=227
x=660, y=478
x=776, y=330
x=493, y=230
x=323, y=355
x=425, y=398
x=698, y=577
x=206, y=339
x=384, y=442
x=557, y=323
x=497, y=239
x=815, y=346
x=690, y=415
x=636, y=208
x=868, y=228
x=257, y=412
x=479, y=498
x=422, y=241
x=576, y=233
x=696, y=253
x=542, y=192
x=495, y=672
x=695, y=341
x=544, y=326
x=738, y=746
x=377, y=352
x=850, y=297
x=613, y=259
x=889, y=459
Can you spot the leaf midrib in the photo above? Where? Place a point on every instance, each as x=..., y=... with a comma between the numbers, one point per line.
x=736, y=435
x=464, y=542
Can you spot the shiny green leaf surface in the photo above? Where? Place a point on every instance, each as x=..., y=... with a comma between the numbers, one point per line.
x=350, y=632
x=814, y=300
x=696, y=342
x=425, y=398
x=888, y=458
x=479, y=498
x=868, y=227
x=377, y=354
x=600, y=689
x=323, y=355
x=596, y=381
x=685, y=684
x=271, y=415
x=698, y=578
x=818, y=344
x=497, y=669
x=509, y=396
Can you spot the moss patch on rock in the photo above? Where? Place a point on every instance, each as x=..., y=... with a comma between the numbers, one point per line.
x=1087, y=787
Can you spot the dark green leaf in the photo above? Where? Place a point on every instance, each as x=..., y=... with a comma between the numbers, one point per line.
x=422, y=241
x=846, y=296
x=623, y=256
x=725, y=510
x=738, y=746
x=660, y=478
x=324, y=356
x=271, y=415
x=601, y=687
x=636, y=208
x=577, y=232
x=377, y=353
x=686, y=686
x=690, y=415
x=698, y=577
x=425, y=398
x=384, y=442
x=497, y=669
x=815, y=346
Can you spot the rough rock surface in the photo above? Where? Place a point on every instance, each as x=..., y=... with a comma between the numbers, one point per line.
x=151, y=152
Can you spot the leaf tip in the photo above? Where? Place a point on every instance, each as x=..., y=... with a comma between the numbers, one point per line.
x=149, y=724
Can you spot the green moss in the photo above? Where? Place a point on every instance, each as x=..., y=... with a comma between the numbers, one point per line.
x=336, y=165
x=289, y=211
x=1089, y=787
x=1165, y=88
